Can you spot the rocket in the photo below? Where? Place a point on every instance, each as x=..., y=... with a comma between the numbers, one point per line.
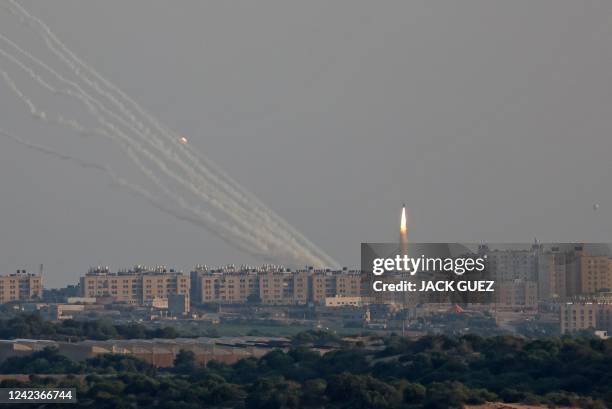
x=403, y=236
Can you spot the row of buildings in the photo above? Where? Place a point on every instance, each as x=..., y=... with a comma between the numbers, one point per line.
x=557, y=272
x=272, y=285
x=576, y=279
x=158, y=286
x=267, y=285
x=523, y=277
x=140, y=285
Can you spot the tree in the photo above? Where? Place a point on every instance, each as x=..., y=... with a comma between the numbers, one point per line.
x=185, y=362
x=273, y=393
x=414, y=393
x=362, y=392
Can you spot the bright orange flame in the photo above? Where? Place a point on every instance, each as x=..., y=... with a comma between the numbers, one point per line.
x=403, y=223
x=183, y=140
x=403, y=236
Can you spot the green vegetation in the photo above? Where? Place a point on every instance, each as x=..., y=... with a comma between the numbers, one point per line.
x=50, y=361
x=428, y=373
x=60, y=294
x=33, y=326
x=237, y=328
x=453, y=324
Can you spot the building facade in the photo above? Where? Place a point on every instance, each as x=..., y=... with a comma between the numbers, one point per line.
x=552, y=275
x=595, y=273
x=510, y=265
x=585, y=316
x=517, y=294
x=272, y=286
x=141, y=285
x=21, y=286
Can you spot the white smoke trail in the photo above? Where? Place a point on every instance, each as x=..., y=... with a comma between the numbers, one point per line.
x=89, y=101
x=228, y=196
x=135, y=189
x=220, y=228
x=257, y=246
x=255, y=205
x=49, y=38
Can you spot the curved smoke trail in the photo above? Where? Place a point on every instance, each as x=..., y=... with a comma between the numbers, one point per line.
x=156, y=151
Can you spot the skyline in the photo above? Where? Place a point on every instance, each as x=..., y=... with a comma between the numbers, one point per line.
x=362, y=111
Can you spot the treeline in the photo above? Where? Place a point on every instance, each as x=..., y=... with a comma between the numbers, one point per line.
x=50, y=362
x=33, y=326
x=429, y=373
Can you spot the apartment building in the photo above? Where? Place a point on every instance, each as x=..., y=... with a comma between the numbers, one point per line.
x=552, y=274
x=595, y=272
x=517, y=294
x=561, y=272
x=230, y=287
x=272, y=286
x=509, y=265
x=140, y=285
x=585, y=316
x=335, y=283
x=21, y=286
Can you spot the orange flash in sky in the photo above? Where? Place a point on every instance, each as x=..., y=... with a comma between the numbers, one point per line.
x=183, y=140
x=403, y=224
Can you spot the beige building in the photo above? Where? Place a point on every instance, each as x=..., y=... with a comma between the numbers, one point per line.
x=585, y=316
x=229, y=287
x=331, y=283
x=587, y=273
x=343, y=301
x=552, y=275
x=577, y=317
x=508, y=265
x=143, y=286
x=595, y=273
x=517, y=294
x=272, y=286
x=21, y=286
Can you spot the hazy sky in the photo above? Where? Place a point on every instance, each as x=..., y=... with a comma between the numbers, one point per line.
x=492, y=120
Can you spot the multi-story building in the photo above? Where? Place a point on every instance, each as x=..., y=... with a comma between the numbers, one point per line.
x=577, y=317
x=272, y=285
x=509, y=265
x=226, y=285
x=552, y=274
x=141, y=285
x=595, y=272
x=587, y=272
x=517, y=294
x=562, y=272
x=335, y=283
x=21, y=286
x=585, y=316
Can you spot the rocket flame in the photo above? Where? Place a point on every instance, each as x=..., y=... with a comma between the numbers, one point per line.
x=403, y=236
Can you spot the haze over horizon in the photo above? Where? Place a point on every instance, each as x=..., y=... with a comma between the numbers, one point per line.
x=491, y=120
